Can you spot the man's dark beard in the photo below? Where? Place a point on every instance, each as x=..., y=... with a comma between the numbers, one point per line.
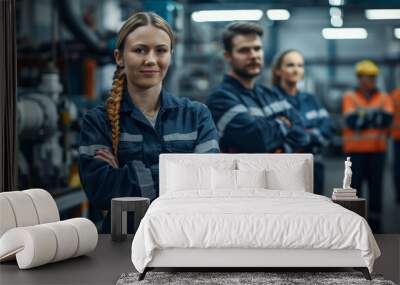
x=242, y=72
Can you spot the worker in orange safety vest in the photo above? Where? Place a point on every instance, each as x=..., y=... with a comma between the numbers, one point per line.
x=395, y=132
x=368, y=114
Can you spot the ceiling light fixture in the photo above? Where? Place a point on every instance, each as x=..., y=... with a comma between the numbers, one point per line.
x=344, y=33
x=396, y=32
x=278, y=14
x=226, y=15
x=336, y=2
x=382, y=14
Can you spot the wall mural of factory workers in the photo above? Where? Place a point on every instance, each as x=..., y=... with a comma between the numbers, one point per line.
x=111, y=86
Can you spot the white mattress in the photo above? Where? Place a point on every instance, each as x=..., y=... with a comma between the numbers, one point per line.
x=252, y=218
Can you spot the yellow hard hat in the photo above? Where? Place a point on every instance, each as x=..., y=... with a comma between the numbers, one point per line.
x=367, y=68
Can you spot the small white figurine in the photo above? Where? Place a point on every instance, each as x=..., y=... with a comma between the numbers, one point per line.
x=347, y=174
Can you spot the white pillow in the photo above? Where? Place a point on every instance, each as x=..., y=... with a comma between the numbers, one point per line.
x=282, y=173
x=183, y=178
x=227, y=179
x=251, y=178
x=279, y=180
x=224, y=179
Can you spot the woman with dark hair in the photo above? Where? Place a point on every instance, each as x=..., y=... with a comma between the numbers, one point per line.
x=121, y=142
x=287, y=71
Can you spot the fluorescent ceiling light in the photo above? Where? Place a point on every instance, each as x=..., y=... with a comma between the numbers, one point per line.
x=397, y=33
x=336, y=2
x=382, y=14
x=278, y=14
x=226, y=15
x=344, y=33
x=113, y=20
x=336, y=21
x=335, y=12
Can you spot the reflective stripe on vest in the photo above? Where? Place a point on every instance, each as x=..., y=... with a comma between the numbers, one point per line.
x=127, y=137
x=206, y=146
x=181, y=136
x=269, y=110
x=363, y=137
x=228, y=117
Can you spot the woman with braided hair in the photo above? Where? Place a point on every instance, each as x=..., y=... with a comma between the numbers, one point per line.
x=286, y=73
x=121, y=141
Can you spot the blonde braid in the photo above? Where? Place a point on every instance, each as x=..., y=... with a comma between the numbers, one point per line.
x=113, y=106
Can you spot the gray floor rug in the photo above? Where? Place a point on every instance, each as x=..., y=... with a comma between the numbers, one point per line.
x=242, y=278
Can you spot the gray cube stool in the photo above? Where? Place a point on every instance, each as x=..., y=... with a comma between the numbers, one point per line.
x=119, y=208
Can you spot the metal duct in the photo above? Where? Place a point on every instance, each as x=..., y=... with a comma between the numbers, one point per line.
x=77, y=27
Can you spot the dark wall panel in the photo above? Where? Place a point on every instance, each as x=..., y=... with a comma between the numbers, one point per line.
x=8, y=97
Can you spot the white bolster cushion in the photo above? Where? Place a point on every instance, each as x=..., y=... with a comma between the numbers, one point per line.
x=33, y=246
x=87, y=235
x=23, y=208
x=66, y=239
x=40, y=244
x=26, y=208
x=46, y=207
x=7, y=218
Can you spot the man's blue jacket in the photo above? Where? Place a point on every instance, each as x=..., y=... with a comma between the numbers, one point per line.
x=248, y=120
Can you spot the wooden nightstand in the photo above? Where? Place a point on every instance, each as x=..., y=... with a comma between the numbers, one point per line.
x=358, y=206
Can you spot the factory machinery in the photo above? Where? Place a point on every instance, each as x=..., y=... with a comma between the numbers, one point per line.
x=56, y=86
x=47, y=133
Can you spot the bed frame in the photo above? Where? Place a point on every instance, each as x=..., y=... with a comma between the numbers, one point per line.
x=245, y=258
x=242, y=259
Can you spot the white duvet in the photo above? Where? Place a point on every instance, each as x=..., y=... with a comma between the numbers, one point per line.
x=253, y=218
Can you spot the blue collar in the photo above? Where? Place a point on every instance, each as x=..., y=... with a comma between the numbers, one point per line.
x=167, y=101
x=236, y=83
x=283, y=92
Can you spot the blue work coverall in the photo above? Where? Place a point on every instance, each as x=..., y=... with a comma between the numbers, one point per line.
x=248, y=119
x=182, y=126
x=318, y=124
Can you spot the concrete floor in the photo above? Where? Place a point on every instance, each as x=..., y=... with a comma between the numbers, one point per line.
x=110, y=259
x=334, y=168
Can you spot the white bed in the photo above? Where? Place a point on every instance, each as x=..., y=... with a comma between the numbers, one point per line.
x=193, y=224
